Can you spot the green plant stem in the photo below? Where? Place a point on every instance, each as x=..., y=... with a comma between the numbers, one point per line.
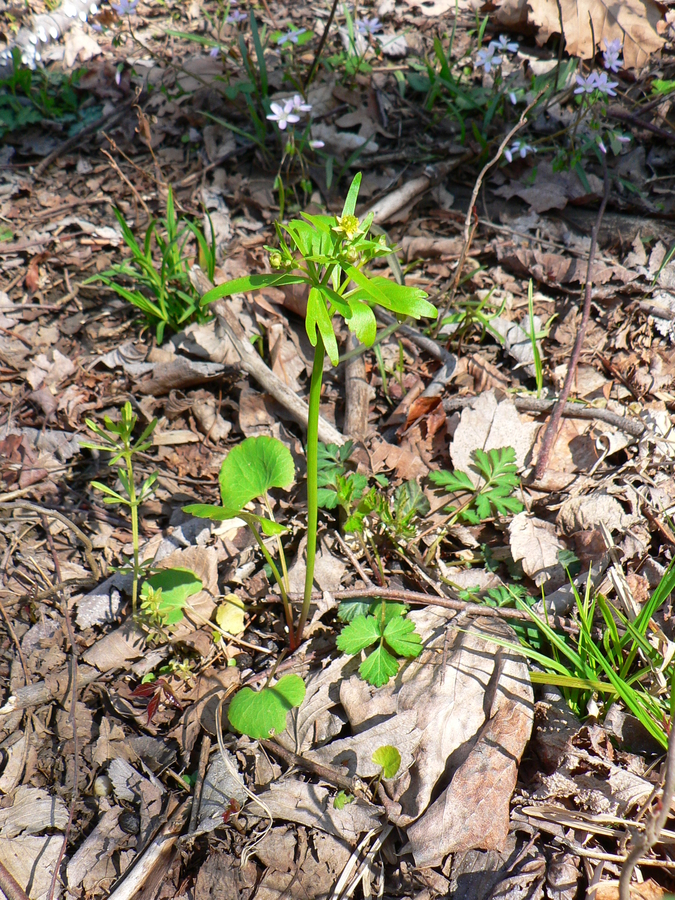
x=279, y=580
x=312, y=477
x=133, y=506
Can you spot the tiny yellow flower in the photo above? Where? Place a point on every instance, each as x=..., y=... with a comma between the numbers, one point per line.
x=347, y=225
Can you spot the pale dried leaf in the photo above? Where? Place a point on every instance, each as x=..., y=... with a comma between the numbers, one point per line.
x=310, y=805
x=587, y=512
x=34, y=810
x=535, y=542
x=488, y=425
x=31, y=861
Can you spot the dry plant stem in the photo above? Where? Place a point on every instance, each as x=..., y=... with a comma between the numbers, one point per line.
x=76, y=140
x=322, y=44
x=654, y=825
x=357, y=395
x=255, y=366
x=124, y=178
x=10, y=887
x=468, y=230
x=551, y=432
x=73, y=708
x=570, y=410
x=204, y=751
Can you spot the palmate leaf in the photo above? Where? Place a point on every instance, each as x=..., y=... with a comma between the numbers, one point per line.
x=452, y=481
x=379, y=667
x=359, y=634
x=401, y=636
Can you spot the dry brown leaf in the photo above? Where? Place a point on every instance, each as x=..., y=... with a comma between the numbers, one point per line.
x=648, y=890
x=552, y=190
x=535, y=542
x=584, y=513
x=489, y=425
x=406, y=464
x=634, y=22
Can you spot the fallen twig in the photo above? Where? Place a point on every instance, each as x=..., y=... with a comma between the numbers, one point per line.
x=551, y=432
x=10, y=887
x=570, y=411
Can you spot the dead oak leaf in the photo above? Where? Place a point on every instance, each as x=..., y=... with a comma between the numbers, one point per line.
x=634, y=22
x=535, y=542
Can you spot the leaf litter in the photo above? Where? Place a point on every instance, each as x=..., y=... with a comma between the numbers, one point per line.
x=451, y=770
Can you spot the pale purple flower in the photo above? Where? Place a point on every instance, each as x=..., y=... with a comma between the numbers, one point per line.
x=214, y=51
x=586, y=85
x=518, y=148
x=611, y=54
x=316, y=145
x=291, y=36
x=487, y=60
x=283, y=115
x=194, y=136
x=125, y=7
x=602, y=146
x=503, y=44
x=622, y=138
x=118, y=76
x=513, y=98
x=235, y=17
x=368, y=26
x=299, y=104
x=605, y=86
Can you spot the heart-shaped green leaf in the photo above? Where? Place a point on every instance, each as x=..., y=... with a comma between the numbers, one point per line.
x=389, y=758
x=251, y=468
x=259, y=714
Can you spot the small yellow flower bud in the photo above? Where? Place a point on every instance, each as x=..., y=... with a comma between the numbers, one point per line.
x=352, y=255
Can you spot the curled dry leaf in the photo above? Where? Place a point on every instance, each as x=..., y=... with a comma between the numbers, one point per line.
x=584, y=513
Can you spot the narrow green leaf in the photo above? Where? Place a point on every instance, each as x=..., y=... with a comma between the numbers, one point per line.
x=352, y=196
x=249, y=283
x=317, y=315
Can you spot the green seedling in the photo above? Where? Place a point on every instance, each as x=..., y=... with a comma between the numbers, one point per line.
x=493, y=495
x=329, y=254
x=164, y=595
x=117, y=438
x=393, y=634
x=341, y=799
x=165, y=293
x=30, y=97
x=260, y=714
x=248, y=472
x=389, y=759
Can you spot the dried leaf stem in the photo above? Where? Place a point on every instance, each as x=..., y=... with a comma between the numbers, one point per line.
x=554, y=422
x=654, y=824
x=468, y=229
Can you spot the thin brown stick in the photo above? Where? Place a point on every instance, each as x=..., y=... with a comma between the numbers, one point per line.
x=322, y=44
x=468, y=230
x=73, y=707
x=124, y=178
x=551, y=432
x=10, y=887
x=204, y=751
x=570, y=411
x=327, y=773
x=654, y=824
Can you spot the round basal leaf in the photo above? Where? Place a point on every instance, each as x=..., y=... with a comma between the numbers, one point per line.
x=176, y=586
x=263, y=713
x=230, y=614
x=389, y=759
x=252, y=468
